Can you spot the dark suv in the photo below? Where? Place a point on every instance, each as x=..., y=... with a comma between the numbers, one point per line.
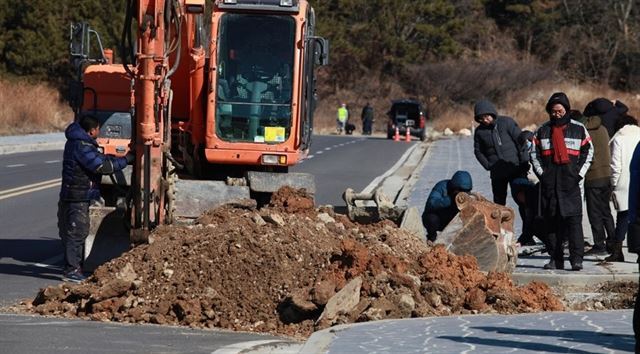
x=407, y=114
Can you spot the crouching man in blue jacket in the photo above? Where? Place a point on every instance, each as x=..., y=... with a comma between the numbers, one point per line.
x=441, y=208
x=82, y=168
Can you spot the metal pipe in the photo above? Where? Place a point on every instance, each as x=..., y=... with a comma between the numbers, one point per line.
x=147, y=187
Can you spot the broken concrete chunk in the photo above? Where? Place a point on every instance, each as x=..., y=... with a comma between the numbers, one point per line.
x=326, y=218
x=342, y=302
x=258, y=220
x=127, y=273
x=275, y=219
x=406, y=303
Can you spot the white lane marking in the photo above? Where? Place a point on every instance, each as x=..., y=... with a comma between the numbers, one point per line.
x=244, y=346
x=50, y=262
x=319, y=152
x=309, y=157
x=14, y=192
x=327, y=149
x=52, y=161
x=16, y=165
x=46, y=323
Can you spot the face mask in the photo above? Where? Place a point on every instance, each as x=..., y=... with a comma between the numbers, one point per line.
x=529, y=145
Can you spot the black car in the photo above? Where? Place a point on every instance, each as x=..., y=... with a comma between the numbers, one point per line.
x=407, y=114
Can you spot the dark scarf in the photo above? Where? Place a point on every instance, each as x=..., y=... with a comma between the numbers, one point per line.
x=560, y=153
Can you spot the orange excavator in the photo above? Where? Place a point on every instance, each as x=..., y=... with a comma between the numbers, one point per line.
x=216, y=99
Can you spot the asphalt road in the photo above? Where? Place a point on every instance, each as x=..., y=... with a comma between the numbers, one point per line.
x=31, y=254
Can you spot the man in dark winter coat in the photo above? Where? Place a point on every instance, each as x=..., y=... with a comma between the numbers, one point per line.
x=633, y=234
x=561, y=158
x=367, y=119
x=597, y=186
x=82, y=169
x=609, y=112
x=496, y=147
x=441, y=207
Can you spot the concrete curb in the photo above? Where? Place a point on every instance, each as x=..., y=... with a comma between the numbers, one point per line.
x=421, y=154
x=12, y=149
x=577, y=280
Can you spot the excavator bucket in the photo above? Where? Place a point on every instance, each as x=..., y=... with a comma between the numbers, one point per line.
x=367, y=208
x=482, y=229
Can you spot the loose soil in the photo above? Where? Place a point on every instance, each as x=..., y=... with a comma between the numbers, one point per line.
x=286, y=269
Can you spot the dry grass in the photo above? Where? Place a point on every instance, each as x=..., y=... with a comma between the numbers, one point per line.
x=37, y=108
x=31, y=108
x=525, y=105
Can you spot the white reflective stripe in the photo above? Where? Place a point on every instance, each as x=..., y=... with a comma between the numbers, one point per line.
x=545, y=144
x=572, y=143
x=537, y=166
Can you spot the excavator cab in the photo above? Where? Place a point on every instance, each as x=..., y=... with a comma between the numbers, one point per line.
x=255, y=78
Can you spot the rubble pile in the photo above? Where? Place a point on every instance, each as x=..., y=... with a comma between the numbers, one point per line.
x=286, y=269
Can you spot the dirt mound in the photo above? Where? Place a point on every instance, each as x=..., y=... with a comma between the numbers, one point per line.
x=292, y=200
x=286, y=273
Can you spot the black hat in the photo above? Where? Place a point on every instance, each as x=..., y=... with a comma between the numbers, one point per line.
x=558, y=98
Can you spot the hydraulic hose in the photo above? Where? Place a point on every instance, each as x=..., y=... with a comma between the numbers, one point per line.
x=179, y=46
x=126, y=34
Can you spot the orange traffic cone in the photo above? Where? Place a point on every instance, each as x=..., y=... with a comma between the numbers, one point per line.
x=407, y=137
x=396, y=136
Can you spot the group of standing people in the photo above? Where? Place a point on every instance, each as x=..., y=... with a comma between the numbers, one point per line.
x=573, y=156
x=343, y=124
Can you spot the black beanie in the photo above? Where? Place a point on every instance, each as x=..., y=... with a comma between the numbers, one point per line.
x=558, y=98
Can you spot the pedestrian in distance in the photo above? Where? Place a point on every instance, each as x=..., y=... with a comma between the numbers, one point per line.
x=561, y=158
x=633, y=241
x=497, y=150
x=441, y=207
x=367, y=119
x=597, y=185
x=82, y=168
x=608, y=111
x=622, y=145
x=342, y=118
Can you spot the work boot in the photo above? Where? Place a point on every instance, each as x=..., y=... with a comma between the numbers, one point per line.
x=74, y=276
x=596, y=251
x=554, y=265
x=616, y=254
x=577, y=265
x=526, y=240
x=609, y=245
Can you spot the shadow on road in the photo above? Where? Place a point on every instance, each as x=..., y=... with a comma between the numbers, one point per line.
x=615, y=342
x=22, y=257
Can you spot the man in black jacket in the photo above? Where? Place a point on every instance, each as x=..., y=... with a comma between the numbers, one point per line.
x=367, y=119
x=561, y=158
x=496, y=147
